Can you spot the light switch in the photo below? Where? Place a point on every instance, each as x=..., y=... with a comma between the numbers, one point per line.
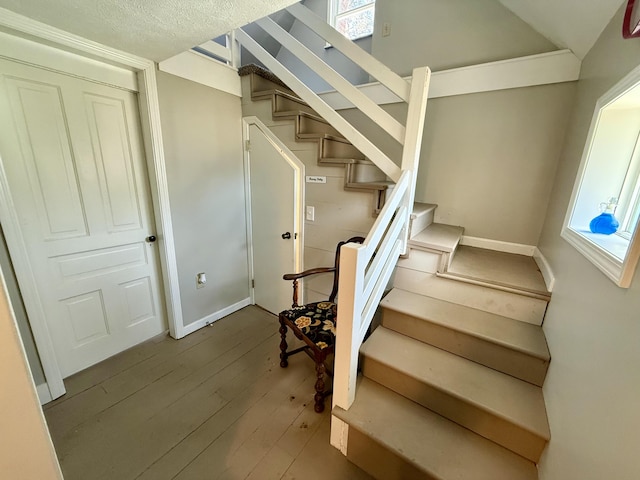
x=311, y=213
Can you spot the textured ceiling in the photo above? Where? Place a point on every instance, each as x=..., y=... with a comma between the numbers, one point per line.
x=159, y=29
x=154, y=29
x=573, y=24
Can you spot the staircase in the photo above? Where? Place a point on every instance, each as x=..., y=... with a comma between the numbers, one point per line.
x=333, y=149
x=451, y=378
x=450, y=383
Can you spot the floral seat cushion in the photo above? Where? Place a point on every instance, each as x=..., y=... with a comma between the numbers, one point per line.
x=317, y=321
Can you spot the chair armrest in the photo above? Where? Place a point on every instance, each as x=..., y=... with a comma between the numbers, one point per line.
x=306, y=273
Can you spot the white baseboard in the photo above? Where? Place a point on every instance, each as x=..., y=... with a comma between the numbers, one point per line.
x=43, y=393
x=508, y=247
x=204, y=321
x=545, y=269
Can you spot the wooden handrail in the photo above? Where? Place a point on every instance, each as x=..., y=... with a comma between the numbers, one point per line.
x=369, y=64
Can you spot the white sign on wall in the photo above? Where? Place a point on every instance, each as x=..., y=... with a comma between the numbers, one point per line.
x=316, y=179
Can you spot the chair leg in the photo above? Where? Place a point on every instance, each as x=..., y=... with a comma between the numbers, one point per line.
x=319, y=396
x=283, y=344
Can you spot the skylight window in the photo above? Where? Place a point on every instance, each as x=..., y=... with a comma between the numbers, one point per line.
x=353, y=18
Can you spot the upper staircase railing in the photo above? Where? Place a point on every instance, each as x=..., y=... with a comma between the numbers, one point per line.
x=365, y=269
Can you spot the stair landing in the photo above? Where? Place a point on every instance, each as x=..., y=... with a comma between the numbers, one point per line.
x=518, y=272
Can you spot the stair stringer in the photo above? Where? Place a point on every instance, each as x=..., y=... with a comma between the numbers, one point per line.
x=332, y=149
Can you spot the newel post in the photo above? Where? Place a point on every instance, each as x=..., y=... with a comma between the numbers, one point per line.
x=413, y=138
x=350, y=287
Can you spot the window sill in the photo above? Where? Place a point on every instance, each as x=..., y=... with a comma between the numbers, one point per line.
x=605, y=251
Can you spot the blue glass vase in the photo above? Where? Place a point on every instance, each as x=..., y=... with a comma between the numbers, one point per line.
x=604, y=223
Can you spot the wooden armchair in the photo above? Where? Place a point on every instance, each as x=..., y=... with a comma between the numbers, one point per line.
x=313, y=323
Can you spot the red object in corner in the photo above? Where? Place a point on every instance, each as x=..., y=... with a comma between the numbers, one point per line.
x=631, y=22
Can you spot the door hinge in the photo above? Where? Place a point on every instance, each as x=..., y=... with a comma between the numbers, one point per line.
x=253, y=283
x=247, y=145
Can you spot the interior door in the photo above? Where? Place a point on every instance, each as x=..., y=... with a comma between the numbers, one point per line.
x=275, y=205
x=73, y=157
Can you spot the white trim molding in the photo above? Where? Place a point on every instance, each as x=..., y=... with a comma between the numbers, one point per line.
x=545, y=269
x=542, y=69
x=497, y=245
x=299, y=189
x=44, y=395
x=204, y=70
x=39, y=37
x=603, y=252
x=339, y=434
x=215, y=316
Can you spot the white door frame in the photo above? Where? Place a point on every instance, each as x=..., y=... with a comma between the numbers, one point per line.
x=78, y=56
x=298, y=166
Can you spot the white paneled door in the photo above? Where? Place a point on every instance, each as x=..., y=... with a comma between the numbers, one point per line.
x=74, y=162
x=274, y=210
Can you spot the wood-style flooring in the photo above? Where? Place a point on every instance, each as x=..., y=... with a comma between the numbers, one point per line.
x=213, y=405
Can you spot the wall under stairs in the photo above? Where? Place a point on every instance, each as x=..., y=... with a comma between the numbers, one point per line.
x=340, y=212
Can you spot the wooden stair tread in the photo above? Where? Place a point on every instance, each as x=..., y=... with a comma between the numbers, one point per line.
x=437, y=446
x=514, y=400
x=380, y=185
x=438, y=236
x=503, y=331
x=502, y=269
x=420, y=209
x=519, y=307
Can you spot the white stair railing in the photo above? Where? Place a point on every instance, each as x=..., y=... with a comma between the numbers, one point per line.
x=365, y=269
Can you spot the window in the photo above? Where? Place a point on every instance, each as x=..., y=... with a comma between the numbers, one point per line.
x=609, y=176
x=352, y=18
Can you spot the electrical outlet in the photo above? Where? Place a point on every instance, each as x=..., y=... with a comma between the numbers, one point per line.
x=311, y=213
x=201, y=279
x=386, y=29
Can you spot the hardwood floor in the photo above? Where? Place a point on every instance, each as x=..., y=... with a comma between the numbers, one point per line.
x=214, y=405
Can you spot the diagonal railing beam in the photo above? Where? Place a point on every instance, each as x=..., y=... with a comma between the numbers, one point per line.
x=362, y=143
x=364, y=60
x=337, y=81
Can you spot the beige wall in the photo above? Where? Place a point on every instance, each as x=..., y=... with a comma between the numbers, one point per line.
x=447, y=34
x=488, y=159
x=26, y=450
x=202, y=137
x=592, y=390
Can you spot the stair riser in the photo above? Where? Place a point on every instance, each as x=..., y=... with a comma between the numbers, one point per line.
x=285, y=107
x=470, y=416
x=512, y=362
x=422, y=222
x=331, y=149
x=312, y=127
x=378, y=461
x=259, y=84
x=517, y=307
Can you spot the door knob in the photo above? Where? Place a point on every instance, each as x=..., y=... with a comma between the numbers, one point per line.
x=286, y=236
x=151, y=239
